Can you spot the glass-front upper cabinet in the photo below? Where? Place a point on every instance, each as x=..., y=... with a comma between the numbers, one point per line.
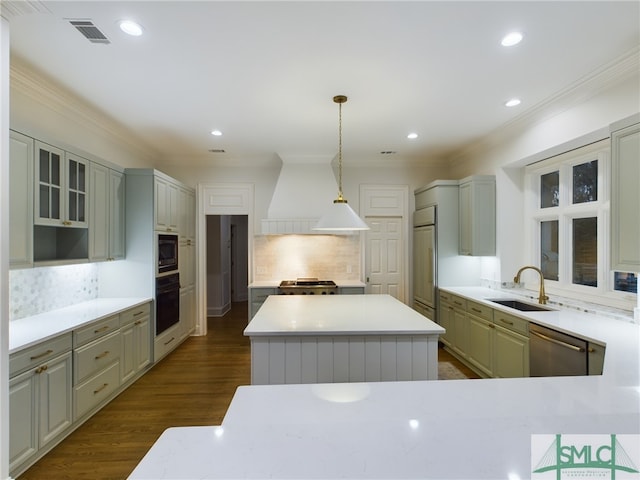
x=61, y=187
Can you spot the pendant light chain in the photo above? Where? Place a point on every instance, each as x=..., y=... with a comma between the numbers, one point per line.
x=340, y=151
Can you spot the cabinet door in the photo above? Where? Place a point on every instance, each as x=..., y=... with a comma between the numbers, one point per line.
x=424, y=261
x=596, y=358
x=460, y=327
x=625, y=198
x=49, y=175
x=511, y=354
x=445, y=319
x=127, y=353
x=167, y=205
x=142, y=340
x=55, y=399
x=480, y=344
x=20, y=200
x=76, y=199
x=465, y=219
x=477, y=216
x=23, y=411
x=99, y=228
x=187, y=310
x=116, y=215
x=257, y=296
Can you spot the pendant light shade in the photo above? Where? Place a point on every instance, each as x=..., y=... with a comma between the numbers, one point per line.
x=340, y=216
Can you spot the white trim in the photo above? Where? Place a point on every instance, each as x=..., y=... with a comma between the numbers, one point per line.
x=219, y=199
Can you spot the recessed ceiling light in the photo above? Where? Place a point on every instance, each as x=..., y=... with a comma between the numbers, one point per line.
x=512, y=103
x=216, y=133
x=511, y=39
x=131, y=28
x=412, y=136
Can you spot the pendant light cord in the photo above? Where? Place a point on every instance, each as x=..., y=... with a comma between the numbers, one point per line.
x=340, y=99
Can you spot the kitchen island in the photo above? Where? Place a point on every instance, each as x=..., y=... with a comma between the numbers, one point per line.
x=462, y=429
x=341, y=338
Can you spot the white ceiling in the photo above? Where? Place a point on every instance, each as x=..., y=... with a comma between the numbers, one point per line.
x=264, y=72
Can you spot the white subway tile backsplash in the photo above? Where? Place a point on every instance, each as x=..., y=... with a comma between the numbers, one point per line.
x=37, y=290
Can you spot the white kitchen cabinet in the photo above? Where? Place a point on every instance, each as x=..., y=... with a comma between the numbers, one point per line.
x=61, y=181
x=625, y=198
x=135, y=334
x=460, y=329
x=511, y=354
x=477, y=216
x=445, y=318
x=187, y=310
x=480, y=338
x=40, y=404
x=424, y=264
x=351, y=290
x=595, y=362
x=106, y=228
x=20, y=200
x=166, y=205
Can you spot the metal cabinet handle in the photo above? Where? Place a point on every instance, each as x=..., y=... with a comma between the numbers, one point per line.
x=42, y=369
x=508, y=322
x=99, y=389
x=138, y=322
x=43, y=354
x=169, y=341
x=476, y=310
x=557, y=342
x=138, y=313
x=102, y=355
x=106, y=327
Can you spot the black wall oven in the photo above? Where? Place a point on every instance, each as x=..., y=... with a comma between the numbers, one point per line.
x=167, y=253
x=167, y=301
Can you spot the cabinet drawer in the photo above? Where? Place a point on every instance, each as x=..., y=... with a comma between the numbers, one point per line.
x=458, y=302
x=480, y=310
x=93, y=357
x=95, y=390
x=38, y=354
x=511, y=322
x=261, y=294
x=95, y=330
x=134, y=314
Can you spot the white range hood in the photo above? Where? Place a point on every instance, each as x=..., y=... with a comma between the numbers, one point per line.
x=305, y=190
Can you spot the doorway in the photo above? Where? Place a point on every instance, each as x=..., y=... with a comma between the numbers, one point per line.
x=384, y=256
x=227, y=262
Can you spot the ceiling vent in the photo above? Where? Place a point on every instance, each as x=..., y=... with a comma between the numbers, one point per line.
x=90, y=31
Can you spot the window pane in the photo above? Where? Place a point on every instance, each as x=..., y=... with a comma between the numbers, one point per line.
x=625, y=282
x=550, y=190
x=549, y=249
x=585, y=182
x=585, y=251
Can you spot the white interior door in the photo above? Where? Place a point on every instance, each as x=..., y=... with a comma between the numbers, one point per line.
x=384, y=251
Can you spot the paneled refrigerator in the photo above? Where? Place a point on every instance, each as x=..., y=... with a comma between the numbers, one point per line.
x=424, y=262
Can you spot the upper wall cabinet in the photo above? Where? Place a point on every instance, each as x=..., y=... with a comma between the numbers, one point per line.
x=167, y=206
x=20, y=200
x=106, y=228
x=477, y=216
x=625, y=199
x=61, y=187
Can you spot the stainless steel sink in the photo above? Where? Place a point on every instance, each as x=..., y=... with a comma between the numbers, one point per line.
x=518, y=305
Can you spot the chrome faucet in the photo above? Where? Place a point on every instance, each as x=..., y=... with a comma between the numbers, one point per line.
x=542, y=298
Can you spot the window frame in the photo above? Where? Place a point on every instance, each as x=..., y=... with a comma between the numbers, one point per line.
x=565, y=212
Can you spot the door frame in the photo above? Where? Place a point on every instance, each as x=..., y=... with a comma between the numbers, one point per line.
x=388, y=201
x=219, y=199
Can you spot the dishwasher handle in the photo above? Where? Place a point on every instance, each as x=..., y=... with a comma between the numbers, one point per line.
x=557, y=342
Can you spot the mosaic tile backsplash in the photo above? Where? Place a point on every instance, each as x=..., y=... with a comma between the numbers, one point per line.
x=37, y=290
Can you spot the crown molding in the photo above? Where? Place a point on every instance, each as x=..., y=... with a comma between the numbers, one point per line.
x=33, y=84
x=613, y=73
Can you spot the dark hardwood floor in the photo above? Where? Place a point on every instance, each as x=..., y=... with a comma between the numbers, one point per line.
x=191, y=386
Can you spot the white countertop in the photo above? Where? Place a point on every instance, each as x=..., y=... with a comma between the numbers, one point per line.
x=276, y=283
x=462, y=429
x=338, y=314
x=29, y=331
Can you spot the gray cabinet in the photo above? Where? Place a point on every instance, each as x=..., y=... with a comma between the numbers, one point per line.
x=257, y=296
x=511, y=346
x=135, y=336
x=166, y=205
x=40, y=399
x=480, y=337
x=625, y=198
x=107, y=223
x=20, y=200
x=477, y=216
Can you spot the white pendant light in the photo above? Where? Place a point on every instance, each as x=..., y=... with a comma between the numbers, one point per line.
x=340, y=215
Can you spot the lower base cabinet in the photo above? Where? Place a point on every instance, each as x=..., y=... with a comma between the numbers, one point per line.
x=511, y=354
x=56, y=385
x=40, y=408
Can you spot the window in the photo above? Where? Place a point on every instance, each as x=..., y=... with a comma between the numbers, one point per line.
x=568, y=226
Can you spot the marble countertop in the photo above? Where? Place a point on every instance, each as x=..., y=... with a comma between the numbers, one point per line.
x=29, y=331
x=276, y=283
x=338, y=314
x=462, y=429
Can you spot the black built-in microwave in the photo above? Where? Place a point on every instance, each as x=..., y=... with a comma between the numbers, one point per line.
x=167, y=253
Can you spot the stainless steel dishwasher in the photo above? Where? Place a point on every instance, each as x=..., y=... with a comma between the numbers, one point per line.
x=552, y=353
